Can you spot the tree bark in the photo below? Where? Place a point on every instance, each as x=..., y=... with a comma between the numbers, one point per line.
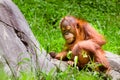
x=114, y=61
x=19, y=50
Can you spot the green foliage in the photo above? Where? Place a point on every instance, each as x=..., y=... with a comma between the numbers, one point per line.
x=3, y=75
x=27, y=76
x=75, y=61
x=44, y=16
x=72, y=73
x=69, y=54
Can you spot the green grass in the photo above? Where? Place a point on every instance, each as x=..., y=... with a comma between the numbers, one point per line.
x=44, y=16
x=3, y=75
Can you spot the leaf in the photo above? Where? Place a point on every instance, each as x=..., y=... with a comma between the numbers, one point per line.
x=24, y=60
x=69, y=54
x=84, y=54
x=75, y=61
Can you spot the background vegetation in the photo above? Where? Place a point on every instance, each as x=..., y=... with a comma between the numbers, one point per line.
x=44, y=16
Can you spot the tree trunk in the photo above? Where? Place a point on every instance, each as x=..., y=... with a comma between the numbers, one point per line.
x=19, y=50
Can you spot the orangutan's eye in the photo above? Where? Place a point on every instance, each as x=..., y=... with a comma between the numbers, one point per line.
x=77, y=25
x=63, y=28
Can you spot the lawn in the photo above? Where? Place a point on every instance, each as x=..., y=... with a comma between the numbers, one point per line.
x=44, y=16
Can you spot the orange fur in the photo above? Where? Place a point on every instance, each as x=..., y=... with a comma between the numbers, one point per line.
x=86, y=39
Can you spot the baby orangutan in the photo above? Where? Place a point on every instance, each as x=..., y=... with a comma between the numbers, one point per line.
x=81, y=38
